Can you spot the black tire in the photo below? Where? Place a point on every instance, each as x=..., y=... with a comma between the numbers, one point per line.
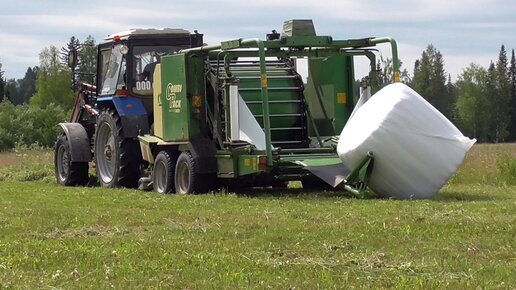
x=117, y=159
x=187, y=179
x=163, y=173
x=68, y=173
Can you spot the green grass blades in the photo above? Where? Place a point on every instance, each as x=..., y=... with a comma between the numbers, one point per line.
x=94, y=238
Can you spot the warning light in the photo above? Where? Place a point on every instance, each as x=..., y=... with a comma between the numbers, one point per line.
x=116, y=38
x=122, y=93
x=262, y=163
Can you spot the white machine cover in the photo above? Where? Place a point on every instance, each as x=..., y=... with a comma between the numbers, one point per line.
x=416, y=148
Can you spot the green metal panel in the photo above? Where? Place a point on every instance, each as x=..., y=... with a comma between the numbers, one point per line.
x=176, y=121
x=196, y=89
x=308, y=41
x=329, y=93
x=248, y=164
x=183, y=98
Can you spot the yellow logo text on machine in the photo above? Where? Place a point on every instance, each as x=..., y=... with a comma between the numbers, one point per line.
x=172, y=90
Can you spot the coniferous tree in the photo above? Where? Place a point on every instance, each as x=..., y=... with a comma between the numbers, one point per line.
x=429, y=80
x=87, y=60
x=439, y=93
x=27, y=85
x=512, y=80
x=451, y=90
x=421, y=79
x=11, y=90
x=2, y=84
x=73, y=44
x=68, y=53
x=500, y=109
x=492, y=97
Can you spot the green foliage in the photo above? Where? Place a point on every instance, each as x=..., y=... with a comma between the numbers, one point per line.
x=53, y=83
x=7, y=128
x=500, y=108
x=27, y=86
x=429, y=80
x=385, y=72
x=52, y=97
x=472, y=105
x=20, y=91
x=512, y=109
x=11, y=90
x=487, y=100
x=26, y=125
x=86, y=53
x=2, y=83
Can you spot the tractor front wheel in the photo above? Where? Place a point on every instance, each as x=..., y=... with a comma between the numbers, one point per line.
x=117, y=159
x=68, y=173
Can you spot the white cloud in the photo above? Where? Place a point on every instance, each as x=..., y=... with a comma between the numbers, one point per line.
x=464, y=31
x=16, y=57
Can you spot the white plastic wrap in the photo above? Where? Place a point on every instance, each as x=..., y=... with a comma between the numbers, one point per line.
x=416, y=149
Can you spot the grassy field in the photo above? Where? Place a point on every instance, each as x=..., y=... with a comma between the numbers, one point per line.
x=56, y=237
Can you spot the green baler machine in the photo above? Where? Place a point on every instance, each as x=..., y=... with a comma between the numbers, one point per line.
x=239, y=113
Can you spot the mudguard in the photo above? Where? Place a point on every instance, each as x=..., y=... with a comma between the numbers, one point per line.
x=78, y=141
x=134, y=117
x=203, y=152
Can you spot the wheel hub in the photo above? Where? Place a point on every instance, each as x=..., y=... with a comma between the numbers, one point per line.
x=108, y=152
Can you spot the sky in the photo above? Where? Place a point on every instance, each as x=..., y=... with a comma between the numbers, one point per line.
x=463, y=31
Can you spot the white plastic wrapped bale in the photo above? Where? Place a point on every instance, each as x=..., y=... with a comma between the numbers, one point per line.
x=416, y=148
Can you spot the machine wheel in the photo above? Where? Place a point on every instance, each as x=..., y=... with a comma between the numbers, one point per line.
x=187, y=180
x=163, y=173
x=68, y=173
x=117, y=159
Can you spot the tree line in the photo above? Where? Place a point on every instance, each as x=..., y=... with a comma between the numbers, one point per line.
x=481, y=102
x=31, y=107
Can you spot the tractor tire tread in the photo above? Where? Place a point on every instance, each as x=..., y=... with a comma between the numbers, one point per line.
x=77, y=171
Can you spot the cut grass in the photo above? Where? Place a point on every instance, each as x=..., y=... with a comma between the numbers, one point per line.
x=53, y=236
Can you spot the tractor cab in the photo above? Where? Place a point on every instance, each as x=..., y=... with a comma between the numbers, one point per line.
x=127, y=60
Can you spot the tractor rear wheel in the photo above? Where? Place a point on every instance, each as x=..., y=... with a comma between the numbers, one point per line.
x=68, y=173
x=163, y=173
x=117, y=159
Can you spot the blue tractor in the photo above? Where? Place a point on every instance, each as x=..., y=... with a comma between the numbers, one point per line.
x=108, y=116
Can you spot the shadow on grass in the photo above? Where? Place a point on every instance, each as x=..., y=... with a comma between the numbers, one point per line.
x=461, y=196
x=447, y=196
x=289, y=193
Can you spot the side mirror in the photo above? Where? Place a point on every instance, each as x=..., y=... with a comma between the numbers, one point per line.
x=72, y=58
